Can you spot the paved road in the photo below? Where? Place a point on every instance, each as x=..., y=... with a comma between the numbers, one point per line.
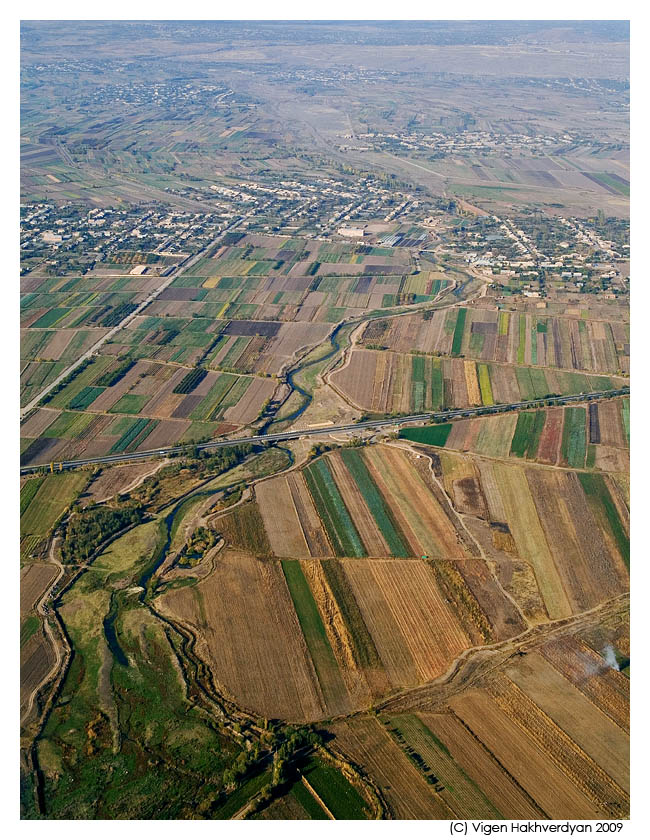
x=438, y=417
x=178, y=270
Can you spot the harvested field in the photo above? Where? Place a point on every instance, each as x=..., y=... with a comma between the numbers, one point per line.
x=264, y=664
x=606, y=688
x=331, y=682
x=312, y=528
x=280, y=518
x=533, y=768
x=510, y=500
x=587, y=776
x=361, y=684
x=470, y=754
x=601, y=739
x=397, y=599
x=460, y=793
x=366, y=742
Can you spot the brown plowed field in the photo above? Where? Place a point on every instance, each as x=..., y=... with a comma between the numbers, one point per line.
x=551, y=437
x=34, y=580
x=36, y=661
x=113, y=480
x=250, y=404
x=611, y=427
x=263, y=663
x=38, y=422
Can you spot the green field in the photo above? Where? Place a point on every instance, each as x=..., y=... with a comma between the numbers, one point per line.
x=304, y=798
x=381, y=512
x=85, y=397
x=521, y=347
x=574, y=436
x=336, y=792
x=331, y=507
x=528, y=432
x=130, y=404
x=433, y=435
x=51, y=498
x=28, y=491
x=459, y=329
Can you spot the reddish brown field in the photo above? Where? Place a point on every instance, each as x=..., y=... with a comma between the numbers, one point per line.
x=551, y=437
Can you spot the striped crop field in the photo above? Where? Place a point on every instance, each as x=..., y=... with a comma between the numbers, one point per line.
x=376, y=503
x=598, y=494
x=521, y=347
x=625, y=411
x=340, y=528
x=433, y=759
x=574, y=436
x=528, y=432
x=327, y=669
x=459, y=329
x=485, y=384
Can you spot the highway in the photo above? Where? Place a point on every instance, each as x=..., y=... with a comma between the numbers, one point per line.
x=437, y=417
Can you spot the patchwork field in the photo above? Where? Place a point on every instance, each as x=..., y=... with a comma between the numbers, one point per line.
x=123, y=406
x=300, y=280
x=571, y=528
x=523, y=338
x=595, y=436
x=387, y=382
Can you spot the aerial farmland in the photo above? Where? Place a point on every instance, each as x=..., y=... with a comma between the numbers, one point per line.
x=325, y=421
